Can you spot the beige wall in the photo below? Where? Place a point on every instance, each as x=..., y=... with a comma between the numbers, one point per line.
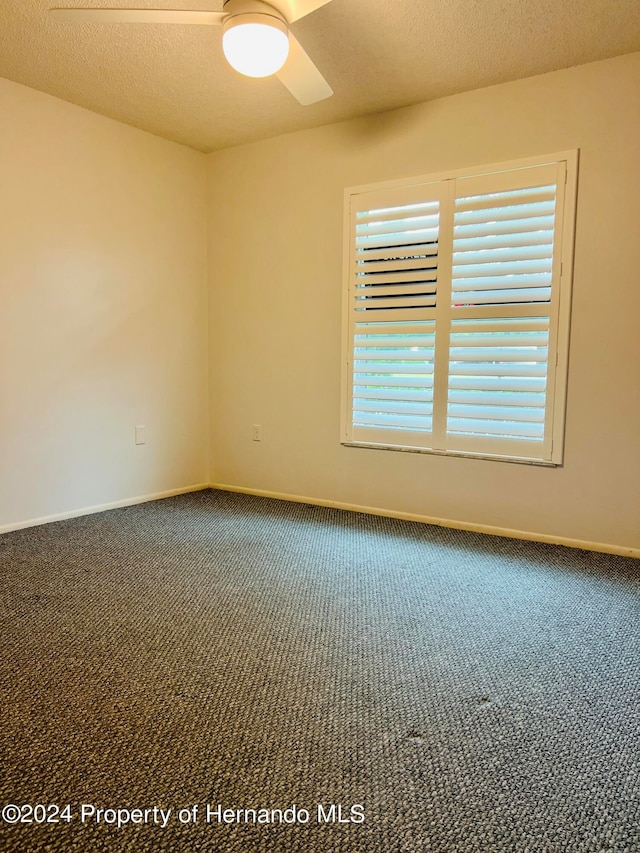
x=103, y=309
x=276, y=274
x=103, y=303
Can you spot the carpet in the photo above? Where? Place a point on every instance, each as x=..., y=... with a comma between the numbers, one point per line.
x=221, y=672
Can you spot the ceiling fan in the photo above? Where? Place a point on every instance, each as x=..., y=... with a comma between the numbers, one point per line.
x=256, y=38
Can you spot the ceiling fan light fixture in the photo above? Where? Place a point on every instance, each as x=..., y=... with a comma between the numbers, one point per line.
x=256, y=45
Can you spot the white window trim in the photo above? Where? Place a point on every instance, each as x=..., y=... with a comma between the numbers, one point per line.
x=561, y=293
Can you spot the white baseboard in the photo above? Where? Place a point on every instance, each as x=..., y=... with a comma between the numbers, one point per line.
x=90, y=510
x=601, y=547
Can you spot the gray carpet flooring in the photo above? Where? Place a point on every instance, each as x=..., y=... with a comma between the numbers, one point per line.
x=470, y=693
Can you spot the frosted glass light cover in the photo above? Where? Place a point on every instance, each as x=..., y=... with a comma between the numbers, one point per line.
x=256, y=50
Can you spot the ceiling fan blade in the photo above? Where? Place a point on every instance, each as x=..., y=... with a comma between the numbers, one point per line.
x=137, y=16
x=301, y=77
x=293, y=10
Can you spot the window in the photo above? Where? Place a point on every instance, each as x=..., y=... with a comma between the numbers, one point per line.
x=457, y=294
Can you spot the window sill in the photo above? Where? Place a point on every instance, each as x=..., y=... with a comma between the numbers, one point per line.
x=521, y=460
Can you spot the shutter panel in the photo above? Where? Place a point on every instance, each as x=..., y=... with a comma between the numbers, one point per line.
x=393, y=377
x=393, y=290
x=396, y=257
x=503, y=247
x=497, y=381
x=501, y=289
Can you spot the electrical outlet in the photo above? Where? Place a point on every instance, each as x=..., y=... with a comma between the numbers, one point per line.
x=140, y=439
x=257, y=432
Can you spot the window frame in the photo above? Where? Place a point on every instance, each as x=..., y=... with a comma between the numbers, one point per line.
x=444, y=185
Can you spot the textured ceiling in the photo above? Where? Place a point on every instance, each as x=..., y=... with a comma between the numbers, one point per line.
x=376, y=54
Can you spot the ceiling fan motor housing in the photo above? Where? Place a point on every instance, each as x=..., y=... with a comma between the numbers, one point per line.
x=234, y=8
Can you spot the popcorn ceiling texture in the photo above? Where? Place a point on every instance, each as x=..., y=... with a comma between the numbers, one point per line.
x=376, y=54
x=476, y=694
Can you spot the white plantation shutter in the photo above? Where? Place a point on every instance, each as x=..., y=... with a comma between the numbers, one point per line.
x=504, y=233
x=454, y=303
x=393, y=275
